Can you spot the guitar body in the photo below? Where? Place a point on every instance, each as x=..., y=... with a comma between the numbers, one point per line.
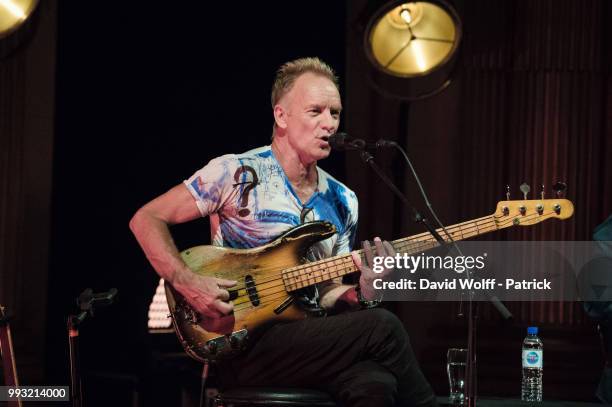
x=260, y=300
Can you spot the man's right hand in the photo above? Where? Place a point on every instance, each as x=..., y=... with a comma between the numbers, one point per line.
x=207, y=295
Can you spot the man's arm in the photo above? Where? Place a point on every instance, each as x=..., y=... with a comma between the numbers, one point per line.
x=150, y=226
x=338, y=296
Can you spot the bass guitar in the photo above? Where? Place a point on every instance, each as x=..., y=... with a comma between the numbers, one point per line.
x=268, y=275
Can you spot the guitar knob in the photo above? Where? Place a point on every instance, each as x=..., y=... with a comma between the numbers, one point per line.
x=523, y=210
x=525, y=188
x=559, y=188
x=234, y=342
x=540, y=208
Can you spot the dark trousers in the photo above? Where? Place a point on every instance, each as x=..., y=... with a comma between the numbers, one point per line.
x=362, y=358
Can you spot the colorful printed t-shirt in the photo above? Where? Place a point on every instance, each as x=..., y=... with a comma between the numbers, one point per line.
x=250, y=202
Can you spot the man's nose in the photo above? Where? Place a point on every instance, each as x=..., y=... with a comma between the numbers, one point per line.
x=329, y=121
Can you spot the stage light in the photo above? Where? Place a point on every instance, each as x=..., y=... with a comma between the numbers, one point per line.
x=14, y=13
x=159, y=312
x=15, y=27
x=412, y=47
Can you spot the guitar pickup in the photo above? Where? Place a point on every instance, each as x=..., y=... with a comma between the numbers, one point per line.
x=251, y=290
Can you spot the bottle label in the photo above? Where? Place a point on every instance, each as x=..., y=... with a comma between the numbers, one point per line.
x=532, y=358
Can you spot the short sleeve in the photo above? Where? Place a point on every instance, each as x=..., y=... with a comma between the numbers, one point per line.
x=212, y=185
x=346, y=240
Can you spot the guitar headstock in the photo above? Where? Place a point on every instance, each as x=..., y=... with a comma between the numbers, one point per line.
x=530, y=212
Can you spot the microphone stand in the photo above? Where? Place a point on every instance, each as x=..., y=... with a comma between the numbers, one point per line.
x=472, y=311
x=416, y=216
x=87, y=302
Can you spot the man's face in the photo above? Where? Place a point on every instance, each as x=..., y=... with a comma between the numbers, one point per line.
x=311, y=114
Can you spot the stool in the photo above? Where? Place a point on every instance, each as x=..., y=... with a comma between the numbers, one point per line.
x=263, y=396
x=266, y=396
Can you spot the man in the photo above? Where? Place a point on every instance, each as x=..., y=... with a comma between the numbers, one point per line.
x=363, y=358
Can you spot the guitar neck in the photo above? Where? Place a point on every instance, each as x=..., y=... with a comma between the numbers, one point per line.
x=328, y=269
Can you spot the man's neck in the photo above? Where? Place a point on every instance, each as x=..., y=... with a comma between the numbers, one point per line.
x=300, y=174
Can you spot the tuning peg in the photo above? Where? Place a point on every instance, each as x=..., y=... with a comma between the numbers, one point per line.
x=525, y=189
x=542, y=192
x=507, y=192
x=559, y=188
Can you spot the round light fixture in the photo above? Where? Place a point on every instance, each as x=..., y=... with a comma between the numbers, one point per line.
x=413, y=40
x=15, y=17
x=14, y=13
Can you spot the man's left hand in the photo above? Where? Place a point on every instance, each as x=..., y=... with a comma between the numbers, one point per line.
x=383, y=249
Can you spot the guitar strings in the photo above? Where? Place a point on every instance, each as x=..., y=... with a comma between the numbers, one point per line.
x=340, y=263
x=401, y=245
x=283, y=292
x=267, y=295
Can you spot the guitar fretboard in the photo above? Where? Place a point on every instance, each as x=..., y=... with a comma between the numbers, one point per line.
x=319, y=271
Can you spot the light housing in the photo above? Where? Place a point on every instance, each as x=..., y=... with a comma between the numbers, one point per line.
x=15, y=23
x=412, y=47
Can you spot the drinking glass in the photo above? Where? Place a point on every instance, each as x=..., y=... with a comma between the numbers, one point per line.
x=456, y=364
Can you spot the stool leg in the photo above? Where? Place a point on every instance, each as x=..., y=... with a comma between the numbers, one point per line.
x=203, y=398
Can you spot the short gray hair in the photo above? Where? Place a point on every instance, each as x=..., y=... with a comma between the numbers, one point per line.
x=290, y=71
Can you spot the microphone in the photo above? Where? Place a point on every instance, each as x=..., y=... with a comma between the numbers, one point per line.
x=343, y=142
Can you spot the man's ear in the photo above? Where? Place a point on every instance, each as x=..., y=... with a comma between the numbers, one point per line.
x=280, y=116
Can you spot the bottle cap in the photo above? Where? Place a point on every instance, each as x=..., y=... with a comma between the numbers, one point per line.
x=532, y=330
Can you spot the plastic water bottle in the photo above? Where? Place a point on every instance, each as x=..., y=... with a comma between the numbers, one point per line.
x=533, y=358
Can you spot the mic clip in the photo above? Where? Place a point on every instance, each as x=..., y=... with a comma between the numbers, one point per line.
x=343, y=142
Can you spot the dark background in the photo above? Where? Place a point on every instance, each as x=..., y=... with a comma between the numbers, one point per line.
x=103, y=109
x=145, y=97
